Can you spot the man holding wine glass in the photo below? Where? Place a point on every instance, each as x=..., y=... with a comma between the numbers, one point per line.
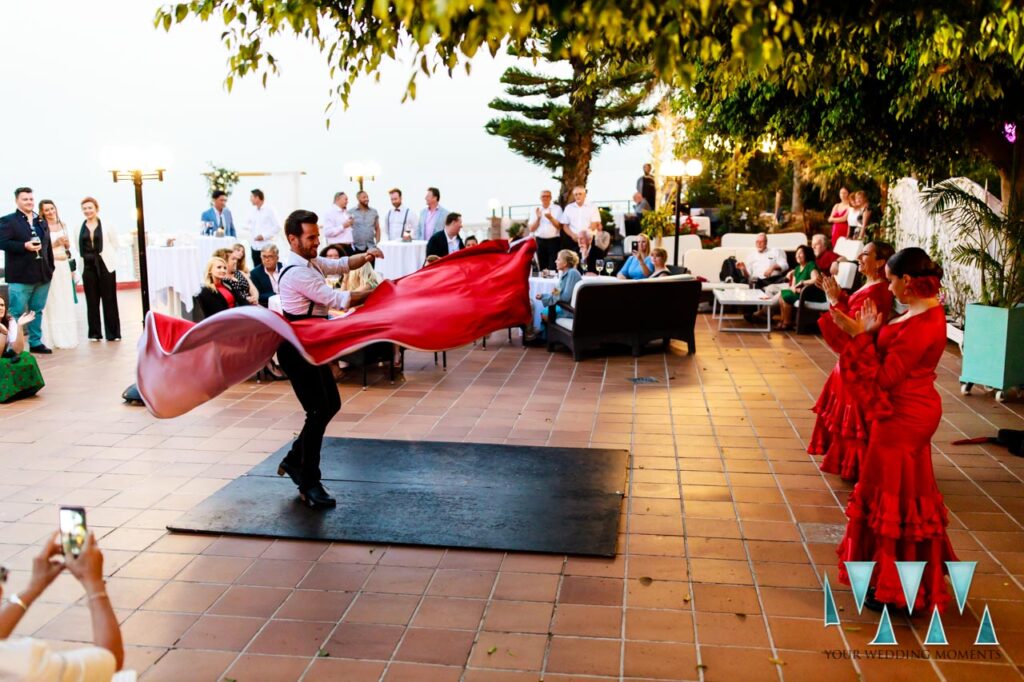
x=29, y=264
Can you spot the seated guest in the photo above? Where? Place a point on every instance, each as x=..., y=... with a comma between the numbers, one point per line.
x=640, y=204
x=800, y=277
x=333, y=251
x=824, y=256
x=565, y=263
x=27, y=658
x=764, y=266
x=19, y=373
x=447, y=241
x=218, y=218
x=660, y=258
x=264, y=276
x=364, y=278
x=471, y=240
x=238, y=273
x=217, y=294
x=589, y=254
x=639, y=265
x=431, y=259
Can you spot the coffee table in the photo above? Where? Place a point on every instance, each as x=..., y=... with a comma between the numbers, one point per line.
x=754, y=298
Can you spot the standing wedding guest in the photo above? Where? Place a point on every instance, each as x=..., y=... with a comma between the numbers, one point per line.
x=896, y=512
x=860, y=215
x=263, y=224
x=840, y=429
x=19, y=373
x=646, y=188
x=217, y=293
x=639, y=265
x=447, y=241
x=837, y=217
x=305, y=294
x=432, y=220
x=218, y=216
x=337, y=227
x=577, y=216
x=566, y=263
x=546, y=228
x=25, y=238
x=366, y=225
x=264, y=276
x=27, y=658
x=400, y=221
x=60, y=324
x=98, y=245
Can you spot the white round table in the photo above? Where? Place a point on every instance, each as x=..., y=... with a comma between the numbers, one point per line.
x=207, y=245
x=401, y=258
x=542, y=285
x=175, y=274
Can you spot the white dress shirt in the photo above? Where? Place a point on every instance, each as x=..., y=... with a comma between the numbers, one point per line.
x=453, y=243
x=273, y=277
x=545, y=228
x=580, y=218
x=758, y=262
x=398, y=221
x=263, y=222
x=333, y=226
x=306, y=283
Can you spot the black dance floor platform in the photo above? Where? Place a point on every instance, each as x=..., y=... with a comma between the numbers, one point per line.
x=478, y=495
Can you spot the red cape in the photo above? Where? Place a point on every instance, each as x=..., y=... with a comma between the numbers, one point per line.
x=447, y=304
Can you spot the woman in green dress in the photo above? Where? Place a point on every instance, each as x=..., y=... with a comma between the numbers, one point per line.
x=799, y=279
x=19, y=374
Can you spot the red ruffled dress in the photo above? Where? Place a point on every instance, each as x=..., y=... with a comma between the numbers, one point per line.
x=896, y=512
x=840, y=431
x=841, y=229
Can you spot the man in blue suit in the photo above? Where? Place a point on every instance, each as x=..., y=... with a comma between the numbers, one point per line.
x=434, y=218
x=218, y=216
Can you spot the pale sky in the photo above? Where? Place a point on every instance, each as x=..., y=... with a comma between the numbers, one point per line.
x=81, y=77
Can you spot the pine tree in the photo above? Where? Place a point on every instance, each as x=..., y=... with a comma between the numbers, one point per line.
x=562, y=123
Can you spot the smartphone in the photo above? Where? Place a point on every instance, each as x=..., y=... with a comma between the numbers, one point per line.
x=635, y=247
x=72, y=530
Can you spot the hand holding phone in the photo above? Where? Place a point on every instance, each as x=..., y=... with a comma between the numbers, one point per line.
x=73, y=530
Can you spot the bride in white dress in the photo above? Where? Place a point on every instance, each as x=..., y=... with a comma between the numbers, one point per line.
x=60, y=321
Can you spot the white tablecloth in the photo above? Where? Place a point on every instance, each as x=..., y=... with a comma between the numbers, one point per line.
x=542, y=285
x=401, y=258
x=174, y=270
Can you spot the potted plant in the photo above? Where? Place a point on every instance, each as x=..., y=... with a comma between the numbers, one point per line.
x=657, y=223
x=992, y=242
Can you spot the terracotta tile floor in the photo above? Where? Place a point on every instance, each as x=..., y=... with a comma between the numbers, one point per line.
x=727, y=532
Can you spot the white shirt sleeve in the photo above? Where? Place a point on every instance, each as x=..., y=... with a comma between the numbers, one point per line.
x=32, y=660
x=780, y=259
x=595, y=216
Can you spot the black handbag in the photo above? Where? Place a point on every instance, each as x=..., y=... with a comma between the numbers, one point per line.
x=72, y=264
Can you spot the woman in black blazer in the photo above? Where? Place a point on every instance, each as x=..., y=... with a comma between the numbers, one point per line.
x=216, y=296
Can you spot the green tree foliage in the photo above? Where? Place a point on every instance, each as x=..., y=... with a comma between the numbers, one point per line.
x=561, y=123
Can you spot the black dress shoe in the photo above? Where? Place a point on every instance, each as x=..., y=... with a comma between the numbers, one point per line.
x=317, y=497
x=41, y=350
x=293, y=472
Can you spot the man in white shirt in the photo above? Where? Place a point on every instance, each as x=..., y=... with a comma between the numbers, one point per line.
x=579, y=215
x=400, y=221
x=337, y=224
x=546, y=228
x=306, y=294
x=764, y=266
x=263, y=225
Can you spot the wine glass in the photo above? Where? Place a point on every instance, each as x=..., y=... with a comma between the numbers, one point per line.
x=35, y=241
x=600, y=265
x=609, y=267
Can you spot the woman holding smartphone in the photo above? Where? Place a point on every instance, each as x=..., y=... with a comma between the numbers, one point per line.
x=98, y=246
x=60, y=326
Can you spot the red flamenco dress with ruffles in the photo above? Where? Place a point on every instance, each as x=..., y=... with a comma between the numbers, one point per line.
x=841, y=431
x=896, y=512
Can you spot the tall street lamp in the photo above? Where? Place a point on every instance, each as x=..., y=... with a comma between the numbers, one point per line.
x=358, y=171
x=680, y=171
x=137, y=177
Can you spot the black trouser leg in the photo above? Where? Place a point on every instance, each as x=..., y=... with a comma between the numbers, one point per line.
x=91, y=284
x=316, y=390
x=256, y=257
x=108, y=296
x=547, y=251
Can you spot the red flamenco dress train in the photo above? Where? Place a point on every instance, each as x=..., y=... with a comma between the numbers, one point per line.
x=840, y=430
x=896, y=512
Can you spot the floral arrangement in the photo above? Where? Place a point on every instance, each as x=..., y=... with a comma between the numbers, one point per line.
x=221, y=179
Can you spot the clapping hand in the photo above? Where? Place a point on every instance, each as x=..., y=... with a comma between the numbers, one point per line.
x=831, y=288
x=870, y=317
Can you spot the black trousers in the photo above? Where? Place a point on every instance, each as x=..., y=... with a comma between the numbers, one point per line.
x=318, y=394
x=547, y=251
x=257, y=258
x=101, y=289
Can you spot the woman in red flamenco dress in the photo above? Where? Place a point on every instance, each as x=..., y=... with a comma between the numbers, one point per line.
x=896, y=512
x=838, y=217
x=840, y=431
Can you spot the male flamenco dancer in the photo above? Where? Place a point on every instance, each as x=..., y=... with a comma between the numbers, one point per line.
x=304, y=294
